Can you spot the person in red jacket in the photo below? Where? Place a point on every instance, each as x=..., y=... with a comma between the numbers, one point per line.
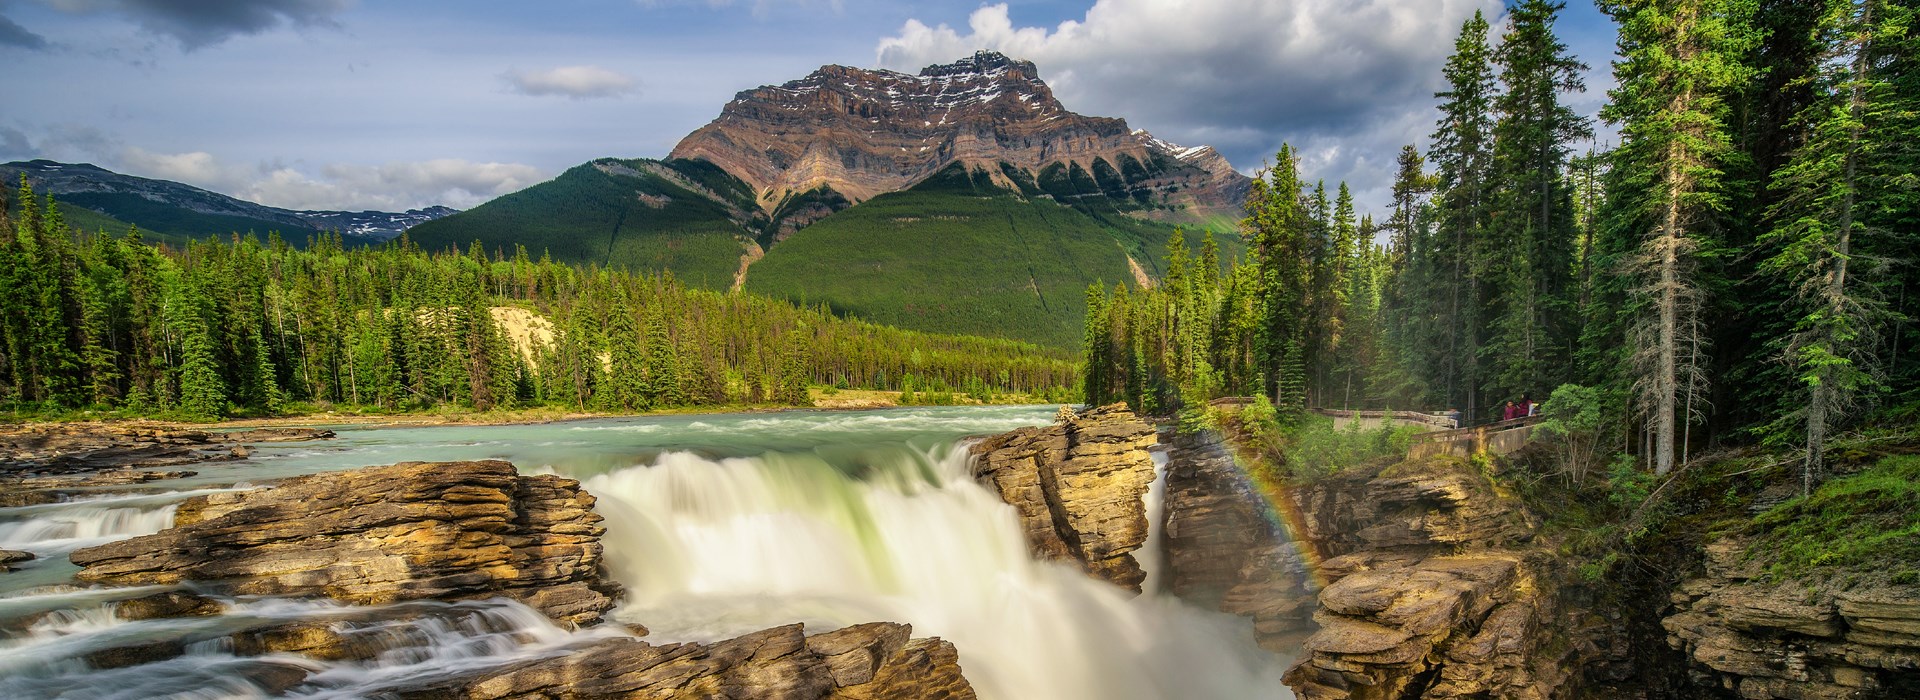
x=1510, y=411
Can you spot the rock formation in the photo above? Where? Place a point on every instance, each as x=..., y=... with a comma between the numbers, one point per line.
x=39, y=460
x=863, y=662
x=1077, y=485
x=415, y=530
x=1761, y=640
x=859, y=133
x=1225, y=547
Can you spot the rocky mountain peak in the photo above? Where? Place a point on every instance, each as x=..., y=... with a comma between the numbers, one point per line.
x=983, y=63
x=864, y=132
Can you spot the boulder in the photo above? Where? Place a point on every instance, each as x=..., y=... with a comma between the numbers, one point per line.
x=1078, y=486
x=9, y=557
x=416, y=530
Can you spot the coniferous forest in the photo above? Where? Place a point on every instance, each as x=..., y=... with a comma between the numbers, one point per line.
x=1738, y=267
x=245, y=327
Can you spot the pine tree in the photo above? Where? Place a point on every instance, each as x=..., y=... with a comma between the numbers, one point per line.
x=1679, y=58
x=1828, y=231
x=1528, y=259
x=1280, y=232
x=1463, y=154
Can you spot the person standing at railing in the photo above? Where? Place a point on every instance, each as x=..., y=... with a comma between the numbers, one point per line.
x=1453, y=414
x=1509, y=411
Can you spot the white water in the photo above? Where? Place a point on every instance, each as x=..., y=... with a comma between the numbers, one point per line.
x=714, y=548
x=717, y=525
x=59, y=531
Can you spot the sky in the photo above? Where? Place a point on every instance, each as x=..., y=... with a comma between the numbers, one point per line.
x=397, y=104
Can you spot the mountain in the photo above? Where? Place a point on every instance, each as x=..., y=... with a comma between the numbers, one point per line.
x=962, y=199
x=862, y=133
x=172, y=211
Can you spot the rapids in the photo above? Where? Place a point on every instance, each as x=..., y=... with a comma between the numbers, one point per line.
x=717, y=526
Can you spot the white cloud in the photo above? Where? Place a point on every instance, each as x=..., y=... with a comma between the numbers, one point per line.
x=577, y=82
x=1348, y=81
x=389, y=187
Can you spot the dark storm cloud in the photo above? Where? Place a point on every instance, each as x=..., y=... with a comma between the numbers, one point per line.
x=198, y=23
x=12, y=34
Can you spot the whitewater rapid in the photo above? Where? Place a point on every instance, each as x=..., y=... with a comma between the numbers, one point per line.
x=716, y=526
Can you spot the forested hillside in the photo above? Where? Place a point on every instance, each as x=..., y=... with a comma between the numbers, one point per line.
x=961, y=254
x=684, y=217
x=249, y=327
x=1737, y=269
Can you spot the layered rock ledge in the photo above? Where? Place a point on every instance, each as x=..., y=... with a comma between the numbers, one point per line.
x=1078, y=486
x=863, y=662
x=1761, y=640
x=409, y=531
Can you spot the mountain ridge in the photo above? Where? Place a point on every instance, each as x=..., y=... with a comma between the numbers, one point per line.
x=864, y=132
x=181, y=210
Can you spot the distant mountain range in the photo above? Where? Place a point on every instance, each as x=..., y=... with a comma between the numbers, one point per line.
x=962, y=199
x=171, y=210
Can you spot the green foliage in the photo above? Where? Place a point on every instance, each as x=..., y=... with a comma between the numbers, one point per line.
x=218, y=329
x=1865, y=520
x=976, y=261
x=1317, y=448
x=1575, y=420
x=673, y=216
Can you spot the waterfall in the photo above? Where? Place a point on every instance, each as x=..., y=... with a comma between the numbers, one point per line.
x=717, y=526
x=711, y=548
x=67, y=529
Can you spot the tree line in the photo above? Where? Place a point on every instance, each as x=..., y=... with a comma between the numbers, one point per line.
x=1735, y=268
x=251, y=327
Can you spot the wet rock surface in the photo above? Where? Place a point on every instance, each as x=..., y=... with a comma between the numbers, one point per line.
x=42, y=462
x=415, y=530
x=873, y=660
x=1077, y=485
x=1759, y=640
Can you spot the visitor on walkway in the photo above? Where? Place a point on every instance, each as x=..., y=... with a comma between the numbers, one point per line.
x=1453, y=414
x=1510, y=411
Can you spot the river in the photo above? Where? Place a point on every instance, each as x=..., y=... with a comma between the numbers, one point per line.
x=717, y=525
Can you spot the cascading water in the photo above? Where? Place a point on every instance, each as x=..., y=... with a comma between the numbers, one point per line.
x=714, y=548
x=717, y=525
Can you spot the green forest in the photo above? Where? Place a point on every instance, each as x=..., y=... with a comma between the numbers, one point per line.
x=245, y=327
x=1734, y=269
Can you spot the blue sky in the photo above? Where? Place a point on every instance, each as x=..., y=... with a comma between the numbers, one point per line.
x=397, y=104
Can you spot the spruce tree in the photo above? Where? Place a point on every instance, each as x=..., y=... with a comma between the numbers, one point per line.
x=1830, y=233
x=1462, y=153
x=1528, y=261
x=1678, y=60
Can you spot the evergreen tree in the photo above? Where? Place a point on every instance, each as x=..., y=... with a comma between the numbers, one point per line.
x=1462, y=152
x=1830, y=232
x=1679, y=58
x=1531, y=226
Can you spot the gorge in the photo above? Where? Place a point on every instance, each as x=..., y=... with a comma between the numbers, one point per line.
x=997, y=552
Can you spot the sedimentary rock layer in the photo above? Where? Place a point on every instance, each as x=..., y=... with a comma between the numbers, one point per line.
x=1226, y=548
x=1077, y=485
x=862, y=133
x=1763, y=640
x=410, y=531
x=863, y=662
